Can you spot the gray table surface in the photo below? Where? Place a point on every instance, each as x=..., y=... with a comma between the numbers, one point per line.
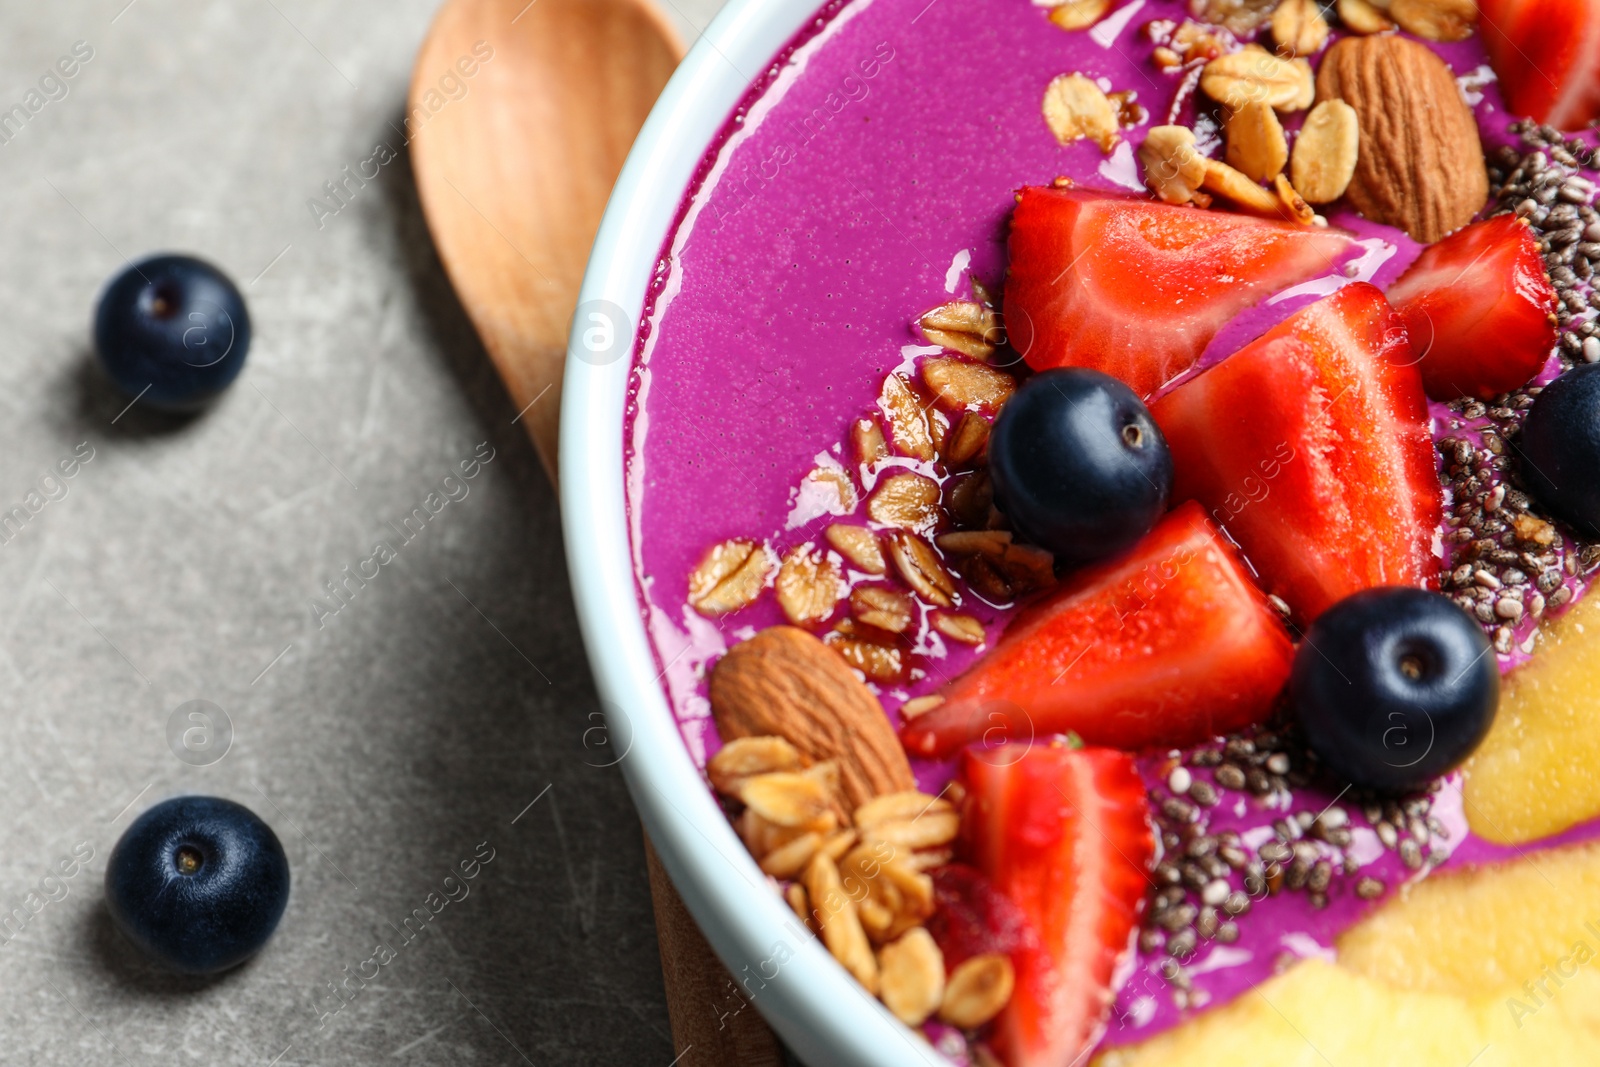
x=445, y=707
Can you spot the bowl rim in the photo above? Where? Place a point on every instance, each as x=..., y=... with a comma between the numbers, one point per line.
x=823, y=1015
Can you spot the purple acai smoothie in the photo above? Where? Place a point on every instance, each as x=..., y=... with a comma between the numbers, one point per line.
x=867, y=177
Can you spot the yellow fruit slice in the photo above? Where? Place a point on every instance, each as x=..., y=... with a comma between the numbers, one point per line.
x=1538, y=771
x=1493, y=968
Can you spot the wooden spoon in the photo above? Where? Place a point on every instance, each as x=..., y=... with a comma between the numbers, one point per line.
x=514, y=171
x=515, y=168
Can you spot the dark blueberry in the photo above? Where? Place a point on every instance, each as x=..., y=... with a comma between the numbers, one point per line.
x=1560, y=447
x=1078, y=464
x=198, y=883
x=1394, y=687
x=173, y=331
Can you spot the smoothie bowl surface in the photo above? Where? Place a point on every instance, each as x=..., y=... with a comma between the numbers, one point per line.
x=1036, y=808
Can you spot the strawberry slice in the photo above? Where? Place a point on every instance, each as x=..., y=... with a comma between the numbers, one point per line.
x=1138, y=289
x=1547, y=53
x=1311, y=447
x=972, y=918
x=1064, y=834
x=1480, y=310
x=1168, y=645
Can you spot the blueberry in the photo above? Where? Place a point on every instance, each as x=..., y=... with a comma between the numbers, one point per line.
x=198, y=883
x=1078, y=465
x=1560, y=447
x=173, y=331
x=1394, y=687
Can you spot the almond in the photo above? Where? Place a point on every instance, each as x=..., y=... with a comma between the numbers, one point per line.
x=1173, y=168
x=1075, y=108
x=1255, y=74
x=1299, y=27
x=1421, y=164
x=1436, y=20
x=784, y=682
x=964, y=326
x=1359, y=16
x=1326, y=152
x=1256, y=144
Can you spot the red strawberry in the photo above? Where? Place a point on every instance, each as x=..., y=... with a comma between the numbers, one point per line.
x=1064, y=834
x=972, y=918
x=1311, y=447
x=1168, y=645
x=1138, y=289
x=1480, y=310
x=1547, y=53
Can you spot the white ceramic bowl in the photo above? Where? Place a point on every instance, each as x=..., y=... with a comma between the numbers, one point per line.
x=785, y=973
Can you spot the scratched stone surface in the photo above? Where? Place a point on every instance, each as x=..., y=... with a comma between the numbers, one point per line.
x=439, y=714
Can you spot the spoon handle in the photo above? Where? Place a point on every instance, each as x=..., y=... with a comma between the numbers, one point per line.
x=518, y=120
x=713, y=1022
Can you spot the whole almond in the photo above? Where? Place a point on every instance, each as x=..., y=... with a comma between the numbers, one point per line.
x=1326, y=151
x=1421, y=164
x=784, y=682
